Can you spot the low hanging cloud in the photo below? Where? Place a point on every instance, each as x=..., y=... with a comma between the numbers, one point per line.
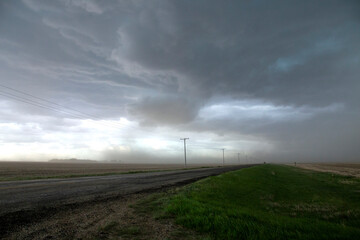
x=164, y=110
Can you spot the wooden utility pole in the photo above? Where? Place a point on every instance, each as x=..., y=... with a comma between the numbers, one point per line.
x=223, y=149
x=184, y=139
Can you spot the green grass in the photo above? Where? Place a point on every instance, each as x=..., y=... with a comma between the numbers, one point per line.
x=267, y=202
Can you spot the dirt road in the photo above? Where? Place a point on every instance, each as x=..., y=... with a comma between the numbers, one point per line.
x=19, y=197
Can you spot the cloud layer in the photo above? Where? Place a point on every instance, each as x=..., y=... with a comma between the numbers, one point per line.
x=278, y=81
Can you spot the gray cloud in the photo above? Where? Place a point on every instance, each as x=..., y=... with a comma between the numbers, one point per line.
x=170, y=110
x=232, y=45
x=284, y=73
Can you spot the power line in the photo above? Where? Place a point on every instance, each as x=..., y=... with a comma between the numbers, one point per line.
x=28, y=101
x=64, y=110
x=44, y=106
x=73, y=112
x=77, y=112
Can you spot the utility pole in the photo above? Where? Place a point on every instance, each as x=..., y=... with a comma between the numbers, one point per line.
x=184, y=139
x=239, y=157
x=223, y=149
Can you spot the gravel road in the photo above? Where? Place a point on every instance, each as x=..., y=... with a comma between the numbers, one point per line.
x=18, y=196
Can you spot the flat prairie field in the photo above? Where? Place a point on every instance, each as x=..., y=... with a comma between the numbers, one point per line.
x=346, y=169
x=37, y=170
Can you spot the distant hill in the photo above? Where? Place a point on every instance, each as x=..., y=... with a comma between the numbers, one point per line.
x=72, y=160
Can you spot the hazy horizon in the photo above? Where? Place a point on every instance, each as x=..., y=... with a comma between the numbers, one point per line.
x=271, y=81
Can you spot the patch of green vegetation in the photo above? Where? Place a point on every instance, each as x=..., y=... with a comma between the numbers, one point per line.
x=267, y=202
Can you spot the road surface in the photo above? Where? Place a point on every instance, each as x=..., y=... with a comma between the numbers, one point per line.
x=19, y=196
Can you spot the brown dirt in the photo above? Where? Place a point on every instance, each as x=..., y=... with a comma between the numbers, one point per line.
x=346, y=169
x=113, y=219
x=15, y=170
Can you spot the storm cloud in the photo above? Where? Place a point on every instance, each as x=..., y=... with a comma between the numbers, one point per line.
x=276, y=80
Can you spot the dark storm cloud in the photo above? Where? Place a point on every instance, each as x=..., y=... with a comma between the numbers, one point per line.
x=283, y=51
x=165, y=110
x=284, y=72
x=301, y=54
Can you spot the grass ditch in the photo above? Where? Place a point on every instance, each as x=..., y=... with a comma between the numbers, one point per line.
x=263, y=202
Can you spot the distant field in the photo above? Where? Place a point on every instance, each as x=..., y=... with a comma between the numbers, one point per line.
x=35, y=170
x=346, y=169
x=265, y=202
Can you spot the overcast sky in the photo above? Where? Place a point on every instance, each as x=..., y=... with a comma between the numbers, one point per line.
x=125, y=80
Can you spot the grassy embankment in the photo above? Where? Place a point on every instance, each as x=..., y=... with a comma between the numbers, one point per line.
x=265, y=202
